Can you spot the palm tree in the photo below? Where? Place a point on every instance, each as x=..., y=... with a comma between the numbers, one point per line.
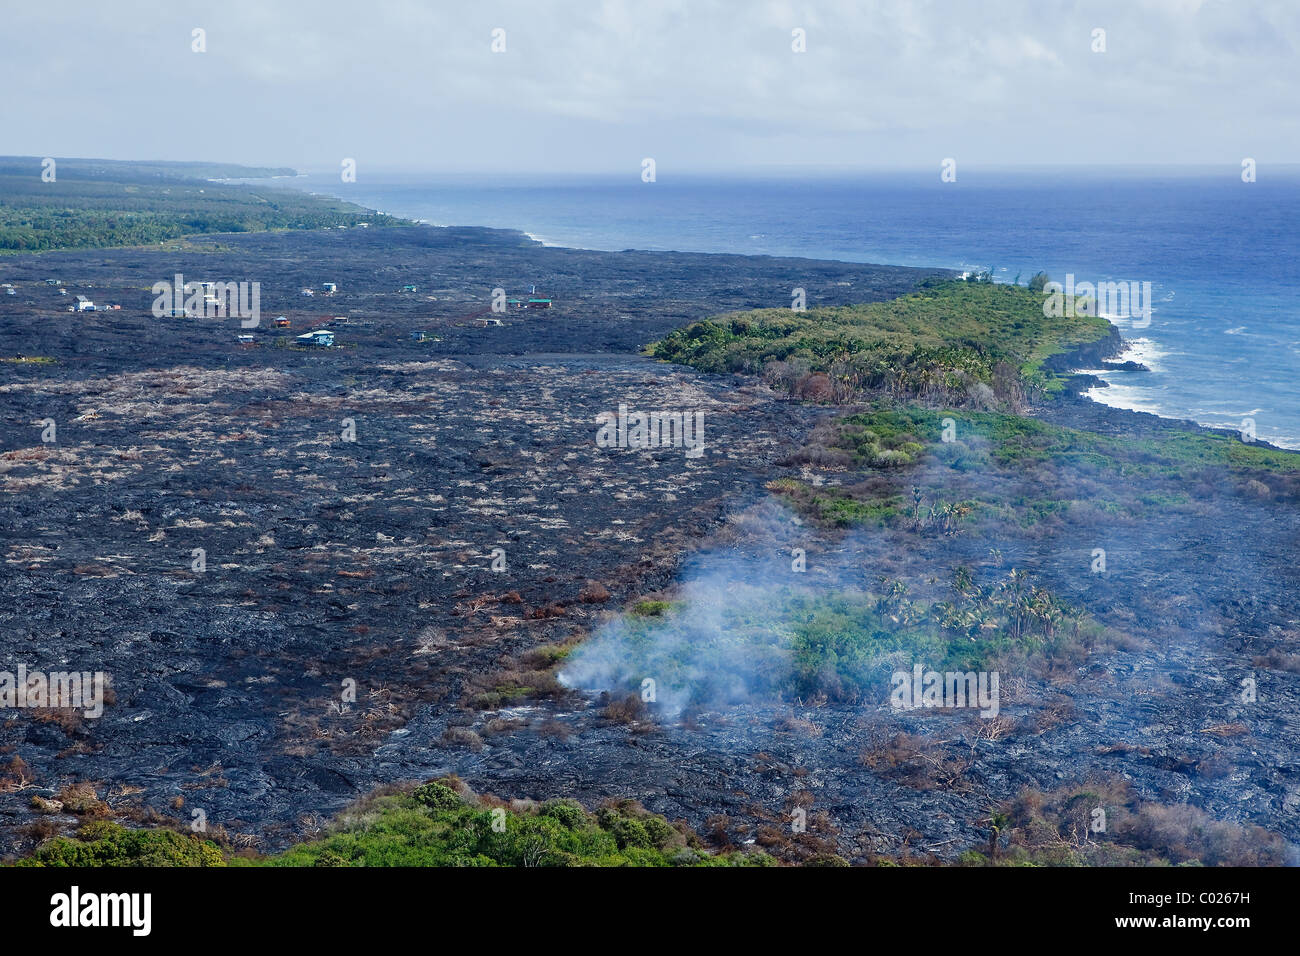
x=998, y=821
x=1047, y=611
x=1016, y=600
x=963, y=581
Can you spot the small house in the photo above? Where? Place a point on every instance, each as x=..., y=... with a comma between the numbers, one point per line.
x=281, y=322
x=84, y=304
x=245, y=340
x=329, y=287
x=322, y=337
x=535, y=303
x=409, y=288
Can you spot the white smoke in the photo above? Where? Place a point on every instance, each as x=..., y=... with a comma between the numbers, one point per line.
x=724, y=640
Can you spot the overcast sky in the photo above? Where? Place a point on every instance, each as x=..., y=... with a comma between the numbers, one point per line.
x=585, y=85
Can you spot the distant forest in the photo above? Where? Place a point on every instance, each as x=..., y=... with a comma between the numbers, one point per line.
x=94, y=203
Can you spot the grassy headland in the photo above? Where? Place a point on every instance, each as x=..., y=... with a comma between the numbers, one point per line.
x=953, y=341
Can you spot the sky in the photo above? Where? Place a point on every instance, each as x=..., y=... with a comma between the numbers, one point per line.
x=589, y=86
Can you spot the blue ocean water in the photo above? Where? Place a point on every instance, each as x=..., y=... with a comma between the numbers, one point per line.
x=1222, y=256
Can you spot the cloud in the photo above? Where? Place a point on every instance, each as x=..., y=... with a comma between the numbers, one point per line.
x=704, y=83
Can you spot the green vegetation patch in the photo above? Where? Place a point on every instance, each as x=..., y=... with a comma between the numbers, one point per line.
x=839, y=507
x=436, y=825
x=941, y=340
x=650, y=608
x=1046, y=471
x=102, y=843
x=1014, y=441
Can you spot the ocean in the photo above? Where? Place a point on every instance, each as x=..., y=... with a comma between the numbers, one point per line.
x=1222, y=256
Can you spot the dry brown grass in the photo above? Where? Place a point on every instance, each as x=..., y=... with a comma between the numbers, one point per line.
x=1056, y=826
x=67, y=719
x=462, y=737
x=41, y=830
x=83, y=800
x=798, y=726
x=1278, y=660
x=920, y=763
x=628, y=709
x=15, y=776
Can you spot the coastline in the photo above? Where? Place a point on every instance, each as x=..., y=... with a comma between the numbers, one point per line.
x=699, y=214
x=1087, y=362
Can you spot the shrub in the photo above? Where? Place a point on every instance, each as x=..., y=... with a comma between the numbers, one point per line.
x=101, y=843
x=626, y=830
x=82, y=800
x=568, y=812
x=462, y=737
x=624, y=710
x=660, y=831
x=650, y=608
x=437, y=796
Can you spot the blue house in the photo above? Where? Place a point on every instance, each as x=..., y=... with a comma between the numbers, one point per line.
x=321, y=337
